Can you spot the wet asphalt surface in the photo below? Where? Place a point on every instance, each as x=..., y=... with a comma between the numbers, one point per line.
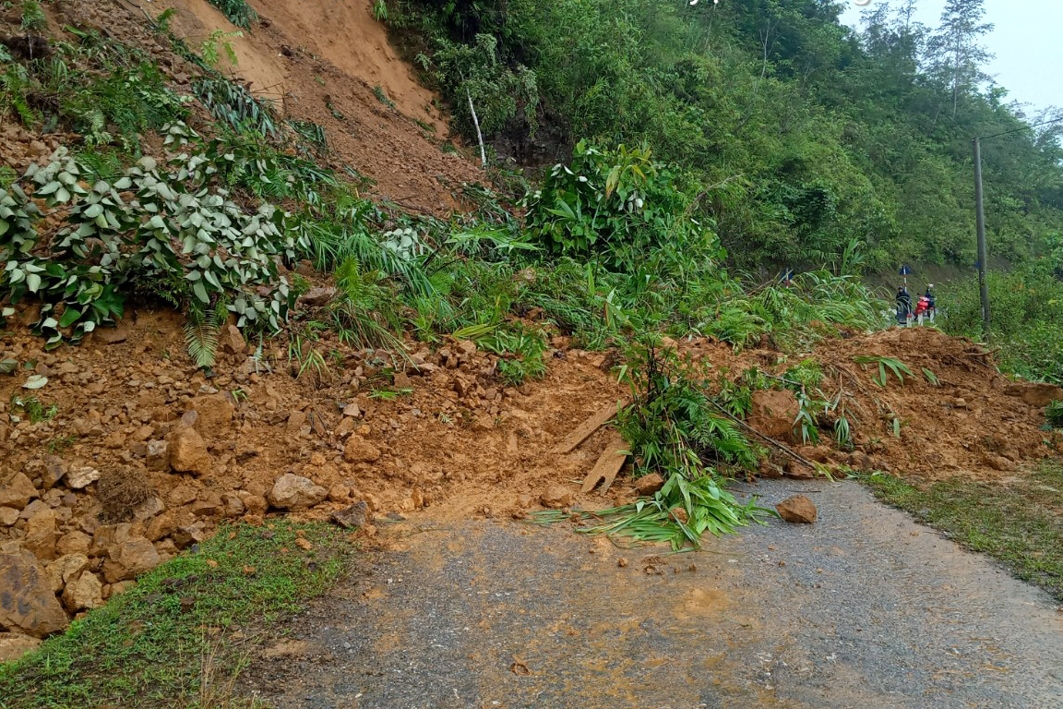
x=863, y=609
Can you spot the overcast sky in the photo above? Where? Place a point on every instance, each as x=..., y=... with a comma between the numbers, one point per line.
x=1026, y=42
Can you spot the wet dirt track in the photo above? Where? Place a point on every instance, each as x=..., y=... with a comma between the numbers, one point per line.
x=863, y=609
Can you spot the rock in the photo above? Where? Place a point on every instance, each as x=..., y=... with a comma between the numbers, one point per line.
x=773, y=413
x=17, y=491
x=1035, y=394
x=73, y=543
x=233, y=505
x=42, y=534
x=296, y=420
x=148, y=508
x=208, y=505
x=232, y=341
x=81, y=476
x=557, y=497
x=8, y=516
x=64, y=569
x=798, y=471
x=27, y=602
x=292, y=492
x=162, y=526
x=130, y=559
x=14, y=645
x=113, y=335
x=188, y=452
x=359, y=450
x=797, y=509
x=402, y=380
x=182, y=495
x=215, y=414
x=316, y=297
x=83, y=593
x=339, y=493
x=648, y=485
x=352, y=517
x=157, y=455
x=185, y=536
x=253, y=504
x=352, y=410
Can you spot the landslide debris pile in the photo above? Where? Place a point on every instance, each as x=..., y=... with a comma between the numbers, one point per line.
x=128, y=455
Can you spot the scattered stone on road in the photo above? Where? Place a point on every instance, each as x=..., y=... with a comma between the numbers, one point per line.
x=797, y=510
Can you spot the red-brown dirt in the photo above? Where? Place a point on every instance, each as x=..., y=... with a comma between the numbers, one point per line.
x=311, y=67
x=128, y=403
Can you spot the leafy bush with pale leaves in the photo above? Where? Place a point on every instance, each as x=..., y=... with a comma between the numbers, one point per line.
x=80, y=248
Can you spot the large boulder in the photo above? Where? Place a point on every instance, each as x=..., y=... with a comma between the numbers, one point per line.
x=16, y=491
x=292, y=492
x=27, y=602
x=188, y=452
x=773, y=412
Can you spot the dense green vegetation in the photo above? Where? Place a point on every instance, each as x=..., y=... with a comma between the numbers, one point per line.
x=166, y=642
x=798, y=135
x=1026, y=313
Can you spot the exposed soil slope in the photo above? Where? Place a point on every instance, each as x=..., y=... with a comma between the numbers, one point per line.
x=316, y=63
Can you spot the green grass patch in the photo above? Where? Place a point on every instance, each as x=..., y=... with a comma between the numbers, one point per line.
x=1019, y=524
x=169, y=641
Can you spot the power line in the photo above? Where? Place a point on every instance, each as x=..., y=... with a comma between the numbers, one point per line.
x=1019, y=130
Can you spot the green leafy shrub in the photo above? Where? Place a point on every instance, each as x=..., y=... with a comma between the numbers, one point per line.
x=521, y=351
x=363, y=312
x=1054, y=414
x=238, y=11
x=672, y=424
x=618, y=205
x=472, y=73
x=97, y=87
x=235, y=105
x=33, y=18
x=1026, y=306
x=167, y=224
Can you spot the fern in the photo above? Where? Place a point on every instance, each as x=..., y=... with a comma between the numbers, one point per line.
x=201, y=340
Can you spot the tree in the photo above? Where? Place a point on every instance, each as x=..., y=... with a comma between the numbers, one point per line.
x=955, y=52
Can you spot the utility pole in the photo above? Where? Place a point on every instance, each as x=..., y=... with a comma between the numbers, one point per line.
x=980, y=219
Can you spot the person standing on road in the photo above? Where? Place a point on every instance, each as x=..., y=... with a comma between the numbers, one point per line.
x=904, y=306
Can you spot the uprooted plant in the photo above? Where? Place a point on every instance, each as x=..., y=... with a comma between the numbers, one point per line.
x=673, y=430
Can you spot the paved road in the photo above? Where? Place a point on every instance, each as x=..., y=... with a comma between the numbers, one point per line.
x=863, y=609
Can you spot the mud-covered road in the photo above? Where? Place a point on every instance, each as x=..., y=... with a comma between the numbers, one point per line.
x=863, y=609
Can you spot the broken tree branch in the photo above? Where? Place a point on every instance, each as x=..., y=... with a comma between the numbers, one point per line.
x=771, y=441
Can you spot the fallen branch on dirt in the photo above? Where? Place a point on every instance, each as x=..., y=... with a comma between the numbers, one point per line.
x=771, y=441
